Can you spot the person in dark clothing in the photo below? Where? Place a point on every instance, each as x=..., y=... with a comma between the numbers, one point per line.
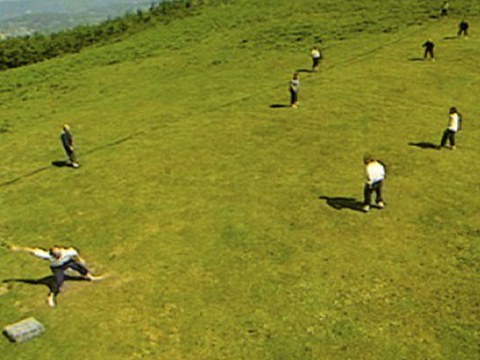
x=463, y=28
x=428, y=45
x=67, y=142
x=294, y=88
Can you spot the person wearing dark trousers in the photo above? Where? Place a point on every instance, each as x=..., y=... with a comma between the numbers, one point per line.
x=428, y=45
x=316, y=55
x=444, y=9
x=463, y=28
x=454, y=121
x=61, y=259
x=67, y=141
x=294, y=88
x=375, y=172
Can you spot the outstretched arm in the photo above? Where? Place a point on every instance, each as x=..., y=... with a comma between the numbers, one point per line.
x=38, y=252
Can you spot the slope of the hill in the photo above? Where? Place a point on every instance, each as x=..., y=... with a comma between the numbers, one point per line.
x=217, y=215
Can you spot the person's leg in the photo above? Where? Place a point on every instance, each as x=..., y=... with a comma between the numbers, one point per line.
x=59, y=278
x=81, y=269
x=72, y=157
x=293, y=97
x=452, y=138
x=379, y=196
x=443, y=142
x=367, y=197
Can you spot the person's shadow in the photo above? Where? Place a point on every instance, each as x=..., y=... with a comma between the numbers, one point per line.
x=48, y=281
x=305, y=71
x=424, y=145
x=416, y=59
x=339, y=203
x=279, y=106
x=59, y=163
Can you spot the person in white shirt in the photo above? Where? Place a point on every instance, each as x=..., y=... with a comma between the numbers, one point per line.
x=375, y=172
x=60, y=259
x=316, y=55
x=452, y=128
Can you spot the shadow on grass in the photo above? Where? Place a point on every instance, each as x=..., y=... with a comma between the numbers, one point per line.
x=424, y=145
x=340, y=203
x=48, y=281
x=416, y=59
x=278, y=106
x=61, y=164
x=450, y=38
x=305, y=71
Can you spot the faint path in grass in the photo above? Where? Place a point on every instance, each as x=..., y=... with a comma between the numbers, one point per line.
x=346, y=62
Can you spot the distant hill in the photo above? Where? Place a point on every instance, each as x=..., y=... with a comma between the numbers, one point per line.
x=23, y=17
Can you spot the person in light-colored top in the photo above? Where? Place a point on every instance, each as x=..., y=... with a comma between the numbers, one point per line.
x=61, y=259
x=316, y=55
x=375, y=173
x=444, y=9
x=452, y=128
x=294, y=88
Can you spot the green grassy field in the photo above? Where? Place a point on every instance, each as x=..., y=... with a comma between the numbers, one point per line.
x=211, y=211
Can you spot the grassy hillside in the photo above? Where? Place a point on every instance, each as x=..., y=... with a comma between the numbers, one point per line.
x=216, y=215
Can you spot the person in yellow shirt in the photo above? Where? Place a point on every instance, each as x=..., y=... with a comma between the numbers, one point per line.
x=316, y=55
x=454, y=125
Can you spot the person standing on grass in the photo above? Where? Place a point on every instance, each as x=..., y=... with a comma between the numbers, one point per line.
x=294, y=88
x=428, y=45
x=61, y=259
x=454, y=125
x=375, y=172
x=463, y=28
x=67, y=141
x=444, y=9
x=316, y=55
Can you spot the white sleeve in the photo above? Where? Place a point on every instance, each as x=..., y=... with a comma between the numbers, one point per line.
x=70, y=252
x=42, y=254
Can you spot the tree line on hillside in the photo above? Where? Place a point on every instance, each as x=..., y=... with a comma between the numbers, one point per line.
x=30, y=49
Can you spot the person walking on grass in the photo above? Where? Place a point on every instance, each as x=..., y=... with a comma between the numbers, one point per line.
x=61, y=259
x=428, y=45
x=316, y=55
x=67, y=141
x=375, y=172
x=463, y=28
x=294, y=88
x=454, y=125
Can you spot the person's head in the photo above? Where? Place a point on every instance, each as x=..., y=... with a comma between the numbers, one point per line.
x=66, y=127
x=295, y=75
x=55, y=251
x=367, y=159
x=453, y=110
